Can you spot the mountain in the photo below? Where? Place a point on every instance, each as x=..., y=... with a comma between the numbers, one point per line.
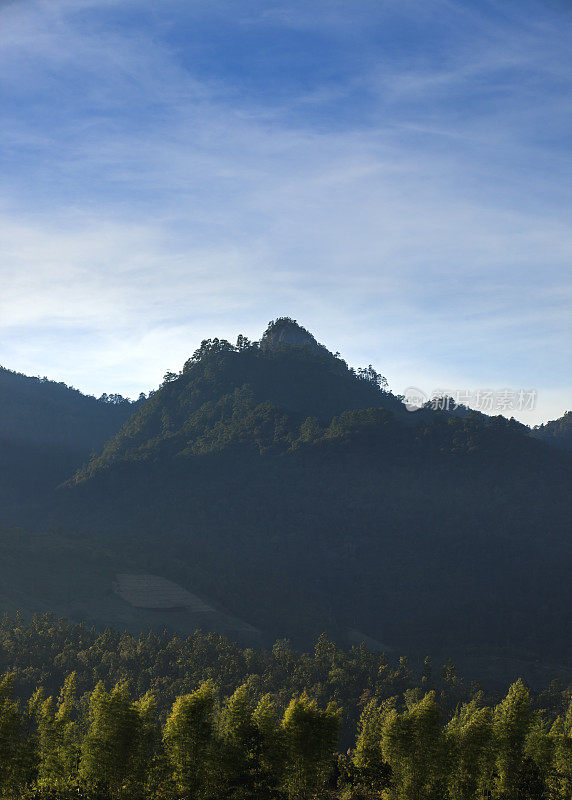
x=557, y=432
x=269, y=490
x=43, y=412
x=257, y=394
x=47, y=430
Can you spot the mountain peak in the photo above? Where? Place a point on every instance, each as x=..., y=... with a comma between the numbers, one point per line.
x=286, y=331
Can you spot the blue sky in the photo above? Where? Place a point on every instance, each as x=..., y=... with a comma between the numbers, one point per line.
x=395, y=174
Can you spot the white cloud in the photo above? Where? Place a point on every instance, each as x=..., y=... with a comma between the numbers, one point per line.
x=155, y=208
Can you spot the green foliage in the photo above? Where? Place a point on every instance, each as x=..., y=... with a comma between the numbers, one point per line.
x=310, y=738
x=275, y=458
x=246, y=746
x=470, y=751
x=114, y=751
x=272, y=754
x=372, y=770
x=357, y=509
x=247, y=773
x=280, y=460
x=413, y=745
x=11, y=745
x=560, y=777
x=511, y=721
x=190, y=743
x=59, y=739
x=227, y=394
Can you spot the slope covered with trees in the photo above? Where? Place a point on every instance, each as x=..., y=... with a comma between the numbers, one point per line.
x=43, y=412
x=256, y=392
x=47, y=430
x=165, y=718
x=557, y=432
x=301, y=495
x=298, y=495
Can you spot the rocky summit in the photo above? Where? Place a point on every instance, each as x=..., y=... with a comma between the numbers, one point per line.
x=286, y=331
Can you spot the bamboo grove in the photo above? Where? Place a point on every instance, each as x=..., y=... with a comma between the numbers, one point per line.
x=109, y=745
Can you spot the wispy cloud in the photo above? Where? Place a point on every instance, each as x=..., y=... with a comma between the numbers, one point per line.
x=408, y=201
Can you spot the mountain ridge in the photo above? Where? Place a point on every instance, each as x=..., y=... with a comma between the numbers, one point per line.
x=299, y=495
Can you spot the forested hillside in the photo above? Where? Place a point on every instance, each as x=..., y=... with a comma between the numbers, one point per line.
x=96, y=716
x=276, y=571
x=47, y=430
x=557, y=432
x=42, y=412
x=300, y=495
x=283, y=493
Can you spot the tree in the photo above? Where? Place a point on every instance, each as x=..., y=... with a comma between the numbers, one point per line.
x=310, y=430
x=11, y=749
x=370, y=375
x=310, y=738
x=169, y=377
x=412, y=744
x=272, y=750
x=190, y=743
x=58, y=735
x=470, y=753
x=512, y=717
x=111, y=749
x=373, y=773
x=242, y=342
x=148, y=761
x=561, y=735
x=241, y=747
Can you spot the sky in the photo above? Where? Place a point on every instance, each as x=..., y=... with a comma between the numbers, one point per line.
x=396, y=175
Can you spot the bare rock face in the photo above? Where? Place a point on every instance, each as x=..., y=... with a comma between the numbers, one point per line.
x=286, y=331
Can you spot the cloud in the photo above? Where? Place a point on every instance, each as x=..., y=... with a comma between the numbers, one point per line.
x=412, y=210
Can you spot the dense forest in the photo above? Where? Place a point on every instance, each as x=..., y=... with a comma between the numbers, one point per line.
x=265, y=493
x=292, y=494
x=300, y=495
x=108, y=715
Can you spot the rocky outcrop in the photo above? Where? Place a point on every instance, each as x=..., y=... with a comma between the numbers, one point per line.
x=286, y=331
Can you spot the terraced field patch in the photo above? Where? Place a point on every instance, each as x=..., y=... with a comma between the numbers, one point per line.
x=155, y=592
